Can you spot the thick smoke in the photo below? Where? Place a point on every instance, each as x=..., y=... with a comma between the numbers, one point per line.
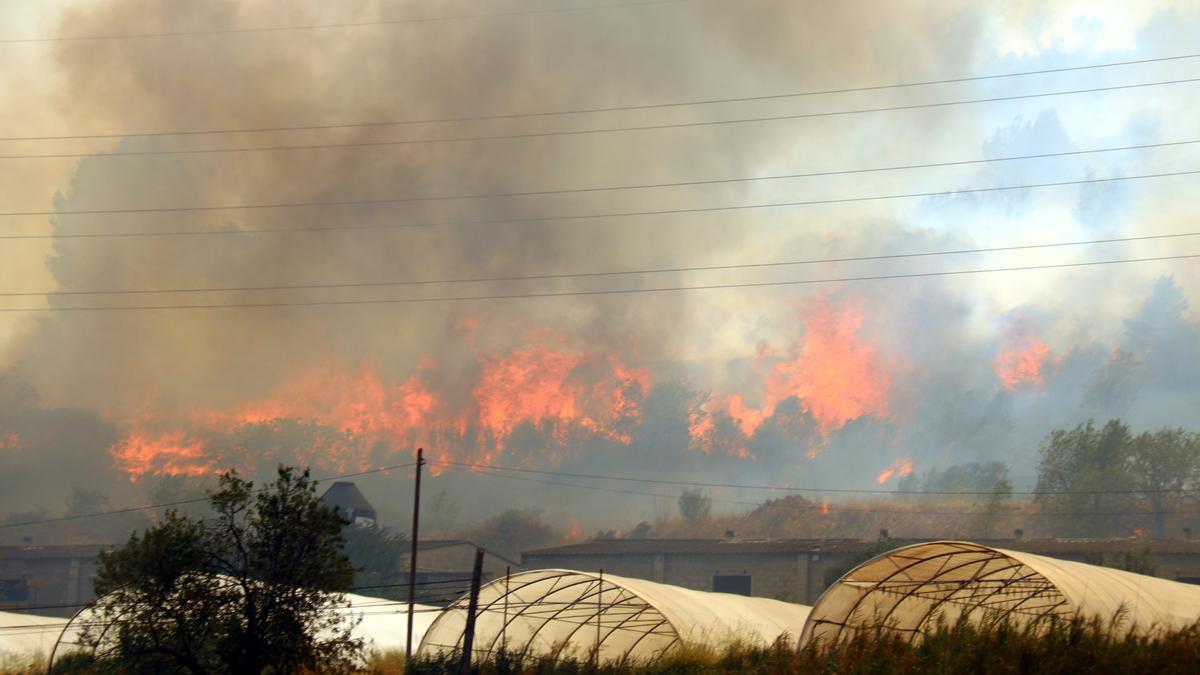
x=97, y=377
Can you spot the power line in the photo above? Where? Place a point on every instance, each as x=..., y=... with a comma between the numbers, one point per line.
x=148, y=507
x=584, y=111
x=563, y=294
x=527, y=220
x=579, y=275
x=634, y=186
x=833, y=509
x=325, y=26
x=784, y=488
x=600, y=130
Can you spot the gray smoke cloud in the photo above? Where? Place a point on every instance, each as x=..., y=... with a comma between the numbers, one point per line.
x=91, y=376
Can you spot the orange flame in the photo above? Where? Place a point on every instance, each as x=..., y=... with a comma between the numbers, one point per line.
x=340, y=419
x=825, y=506
x=10, y=441
x=171, y=454
x=835, y=375
x=1138, y=533
x=897, y=469
x=1023, y=360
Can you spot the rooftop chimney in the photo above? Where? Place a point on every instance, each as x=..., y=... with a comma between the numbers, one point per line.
x=883, y=534
x=1187, y=533
x=1018, y=533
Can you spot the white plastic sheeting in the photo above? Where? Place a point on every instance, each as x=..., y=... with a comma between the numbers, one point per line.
x=26, y=638
x=910, y=586
x=382, y=624
x=558, y=613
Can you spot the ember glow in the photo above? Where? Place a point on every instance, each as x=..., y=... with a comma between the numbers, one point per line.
x=10, y=441
x=897, y=469
x=835, y=374
x=1023, y=361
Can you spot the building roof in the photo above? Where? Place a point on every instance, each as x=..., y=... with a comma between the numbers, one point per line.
x=54, y=551
x=677, y=546
x=788, y=546
x=346, y=497
x=435, y=544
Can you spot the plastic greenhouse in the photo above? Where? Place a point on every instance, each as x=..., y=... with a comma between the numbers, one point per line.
x=560, y=613
x=908, y=587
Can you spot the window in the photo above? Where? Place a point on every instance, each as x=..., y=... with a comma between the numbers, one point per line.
x=738, y=584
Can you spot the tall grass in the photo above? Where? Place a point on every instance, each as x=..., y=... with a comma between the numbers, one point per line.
x=1068, y=646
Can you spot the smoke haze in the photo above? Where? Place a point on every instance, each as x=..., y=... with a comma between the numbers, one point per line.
x=812, y=385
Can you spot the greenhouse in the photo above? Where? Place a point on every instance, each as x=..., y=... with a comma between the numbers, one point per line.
x=380, y=623
x=26, y=638
x=563, y=613
x=908, y=588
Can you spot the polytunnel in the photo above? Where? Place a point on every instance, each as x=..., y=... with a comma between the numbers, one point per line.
x=905, y=589
x=559, y=613
x=380, y=623
x=26, y=638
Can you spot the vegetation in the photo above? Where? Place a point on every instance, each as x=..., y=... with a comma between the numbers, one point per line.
x=1076, y=646
x=378, y=555
x=513, y=531
x=695, y=505
x=248, y=589
x=1088, y=474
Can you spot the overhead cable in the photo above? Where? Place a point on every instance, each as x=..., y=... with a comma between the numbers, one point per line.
x=605, y=292
x=593, y=131
x=527, y=219
x=615, y=188
x=593, y=110
x=348, y=24
x=584, y=275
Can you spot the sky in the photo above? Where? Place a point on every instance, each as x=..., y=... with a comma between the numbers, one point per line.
x=768, y=372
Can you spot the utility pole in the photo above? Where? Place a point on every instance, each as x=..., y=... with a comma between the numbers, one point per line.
x=412, y=561
x=599, y=612
x=472, y=607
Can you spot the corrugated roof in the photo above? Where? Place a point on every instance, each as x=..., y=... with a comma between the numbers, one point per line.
x=676, y=546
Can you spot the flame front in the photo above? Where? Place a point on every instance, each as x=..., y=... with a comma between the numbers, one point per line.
x=834, y=373
x=897, y=469
x=1023, y=360
x=338, y=420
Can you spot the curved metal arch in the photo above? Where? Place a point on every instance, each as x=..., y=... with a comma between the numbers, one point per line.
x=560, y=581
x=904, y=563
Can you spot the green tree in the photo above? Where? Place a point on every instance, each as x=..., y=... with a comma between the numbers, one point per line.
x=1164, y=466
x=252, y=588
x=1086, y=473
x=694, y=505
x=994, y=506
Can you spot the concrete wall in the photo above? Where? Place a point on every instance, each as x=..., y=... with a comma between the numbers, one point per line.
x=794, y=577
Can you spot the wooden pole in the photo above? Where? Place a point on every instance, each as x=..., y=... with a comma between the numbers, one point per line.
x=472, y=606
x=412, y=561
x=599, y=613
